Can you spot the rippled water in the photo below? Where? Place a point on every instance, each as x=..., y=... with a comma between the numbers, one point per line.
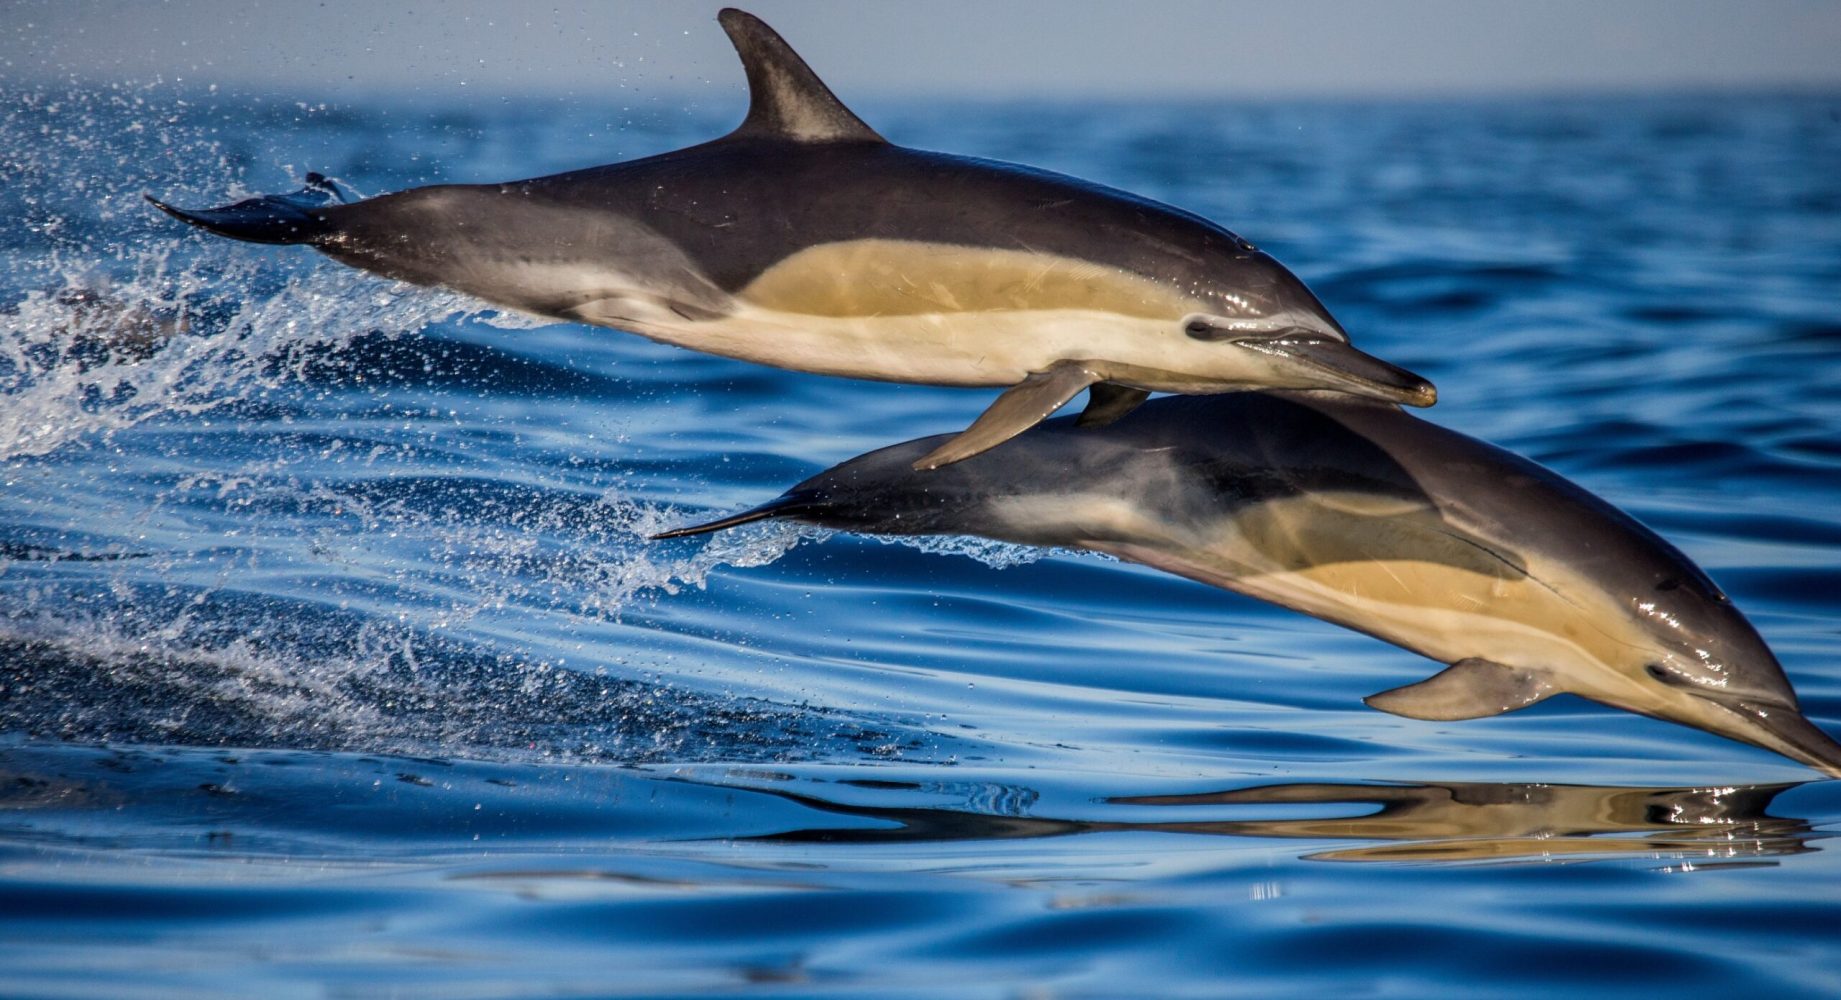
x=333, y=660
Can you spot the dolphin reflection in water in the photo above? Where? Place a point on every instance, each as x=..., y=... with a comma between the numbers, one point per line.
x=1355, y=512
x=1476, y=822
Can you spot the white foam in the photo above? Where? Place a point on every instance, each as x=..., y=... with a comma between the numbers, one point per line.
x=998, y=555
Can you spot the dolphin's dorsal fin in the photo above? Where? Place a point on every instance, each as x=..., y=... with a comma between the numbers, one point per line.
x=786, y=99
x=1468, y=689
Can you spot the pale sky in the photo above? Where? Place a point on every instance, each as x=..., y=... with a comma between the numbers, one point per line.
x=343, y=50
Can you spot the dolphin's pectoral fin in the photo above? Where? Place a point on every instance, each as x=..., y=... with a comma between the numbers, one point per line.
x=1108, y=401
x=1021, y=407
x=786, y=99
x=1468, y=689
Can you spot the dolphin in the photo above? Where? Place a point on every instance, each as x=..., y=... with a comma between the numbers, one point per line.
x=1358, y=513
x=805, y=240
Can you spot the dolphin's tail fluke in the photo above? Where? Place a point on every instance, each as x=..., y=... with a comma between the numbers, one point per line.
x=789, y=505
x=275, y=218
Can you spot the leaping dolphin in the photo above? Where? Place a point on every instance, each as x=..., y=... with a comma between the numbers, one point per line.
x=1362, y=515
x=804, y=240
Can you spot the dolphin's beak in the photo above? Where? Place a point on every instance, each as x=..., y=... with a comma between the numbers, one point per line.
x=1784, y=729
x=1776, y=726
x=1349, y=369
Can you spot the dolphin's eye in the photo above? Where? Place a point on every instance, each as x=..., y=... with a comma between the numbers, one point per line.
x=1666, y=676
x=1201, y=329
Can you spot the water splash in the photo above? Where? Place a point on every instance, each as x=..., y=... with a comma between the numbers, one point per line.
x=995, y=554
x=408, y=601
x=383, y=691
x=111, y=318
x=90, y=357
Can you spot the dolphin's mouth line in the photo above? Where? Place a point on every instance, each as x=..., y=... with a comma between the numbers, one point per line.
x=1732, y=722
x=1804, y=739
x=1346, y=366
x=1781, y=729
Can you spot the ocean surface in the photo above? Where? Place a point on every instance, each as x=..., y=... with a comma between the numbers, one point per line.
x=334, y=661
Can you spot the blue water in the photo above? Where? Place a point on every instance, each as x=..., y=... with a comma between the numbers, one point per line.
x=334, y=662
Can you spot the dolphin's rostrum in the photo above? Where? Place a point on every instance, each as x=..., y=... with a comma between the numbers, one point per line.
x=805, y=240
x=1355, y=512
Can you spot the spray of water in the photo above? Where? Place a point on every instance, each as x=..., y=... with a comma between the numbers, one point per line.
x=113, y=319
x=356, y=584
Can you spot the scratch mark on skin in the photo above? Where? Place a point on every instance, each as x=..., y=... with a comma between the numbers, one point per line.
x=1035, y=280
